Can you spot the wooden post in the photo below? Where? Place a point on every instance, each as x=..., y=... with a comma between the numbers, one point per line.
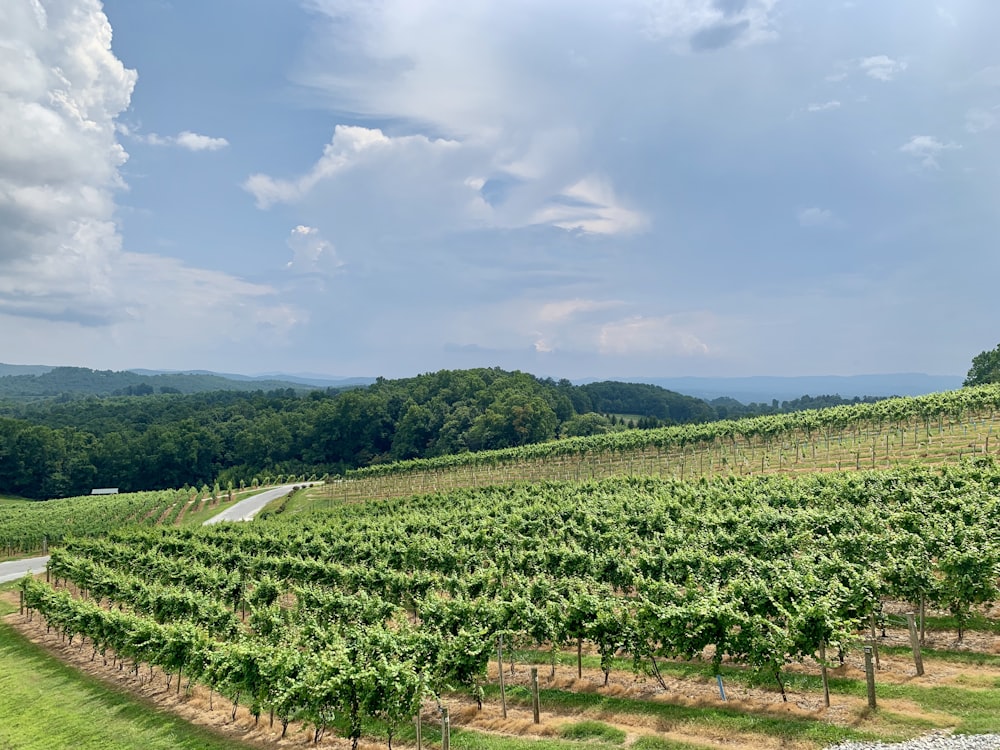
x=503, y=692
x=21, y=607
x=871, y=621
x=826, y=677
x=722, y=690
x=445, y=729
x=420, y=741
x=923, y=603
x=579, y=657
x=918, y=660
x=534, y=694
x=870, y=676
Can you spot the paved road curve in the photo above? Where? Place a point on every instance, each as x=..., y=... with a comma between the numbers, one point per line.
x=11, y=571
x=244, y=510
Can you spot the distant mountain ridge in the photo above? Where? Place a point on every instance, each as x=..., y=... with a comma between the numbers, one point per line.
x=318, y=381
x=764, y=389
x=28, y=383
x=43, y=381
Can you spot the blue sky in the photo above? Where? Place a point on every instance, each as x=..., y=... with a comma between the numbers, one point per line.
x=637, y=188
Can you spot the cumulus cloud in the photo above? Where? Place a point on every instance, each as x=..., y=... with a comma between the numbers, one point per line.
x=562, y=310
x=817, y=217
x=650, y=335
x=590, y=205
x=927, y=149
x=824, y=106
x=475, y=82
x=980, y=119
x=881, y=67
x=185, y=139
x=350, y=146
x=519, y=194
x=62, y=261
x=709, y=24
x=310, y=252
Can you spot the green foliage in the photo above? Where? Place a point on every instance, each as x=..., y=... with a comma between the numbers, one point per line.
x=57, y=448
x=985, y=368
x=592, y=730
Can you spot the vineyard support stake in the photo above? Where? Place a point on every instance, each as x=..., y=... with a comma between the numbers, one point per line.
x=445, y=729
x=722, y=690
x=870, y=676
x=918, y=660
x=871, y=622
x=503, y=693
x=826, y=677
x=534, y=694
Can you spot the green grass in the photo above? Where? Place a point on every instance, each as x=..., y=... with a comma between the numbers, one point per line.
x=958, y=657
x=593, y=730
x=670, y=715
x=975, y=710
x=46, y=705
x=13, y=500
x=976, y=623
x=650, y=742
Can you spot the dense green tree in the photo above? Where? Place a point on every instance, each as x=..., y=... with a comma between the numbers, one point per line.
x=985, y=368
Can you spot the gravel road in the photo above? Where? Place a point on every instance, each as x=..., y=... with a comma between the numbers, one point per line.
x=935, y=741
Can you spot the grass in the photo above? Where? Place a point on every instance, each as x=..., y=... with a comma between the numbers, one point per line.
x=47, y=705
x=13, y=500
x=709, y=717
x=593, y=730
x=974, y=709
x=650, y=742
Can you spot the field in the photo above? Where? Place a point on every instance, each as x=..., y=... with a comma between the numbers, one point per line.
x=636, y=598
x=935, y=429
x=28, y=527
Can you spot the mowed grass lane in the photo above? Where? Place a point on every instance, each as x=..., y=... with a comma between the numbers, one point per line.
x=46, y=705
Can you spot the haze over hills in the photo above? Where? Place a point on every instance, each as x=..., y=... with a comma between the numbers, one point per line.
x=751, y=389
x=765, y=388
x=34, y=381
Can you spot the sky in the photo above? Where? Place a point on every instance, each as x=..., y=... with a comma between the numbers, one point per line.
x=579, y=189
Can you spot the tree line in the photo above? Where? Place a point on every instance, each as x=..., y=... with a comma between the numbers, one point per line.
x=60, y=447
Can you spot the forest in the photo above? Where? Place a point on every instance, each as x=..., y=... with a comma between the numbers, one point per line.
x=144, y=440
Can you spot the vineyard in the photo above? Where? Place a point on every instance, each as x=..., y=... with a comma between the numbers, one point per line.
x=31, y=526
x=355, y=621
x=935, y=429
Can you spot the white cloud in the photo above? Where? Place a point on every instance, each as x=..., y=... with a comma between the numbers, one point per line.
x=62, y=263
x=195, y=142
x=310, y=252
x=709, y=24
x=979, y=120
x=927, y=148
x=564, y=310
x=882, y=67
x=817, y=217
x=590, y=206
x=824, y=106
x=185, y=139
x=411, y=162
x=650, y=335
x=350, y=146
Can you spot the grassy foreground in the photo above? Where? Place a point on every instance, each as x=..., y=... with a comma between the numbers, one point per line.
x=46, y=705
